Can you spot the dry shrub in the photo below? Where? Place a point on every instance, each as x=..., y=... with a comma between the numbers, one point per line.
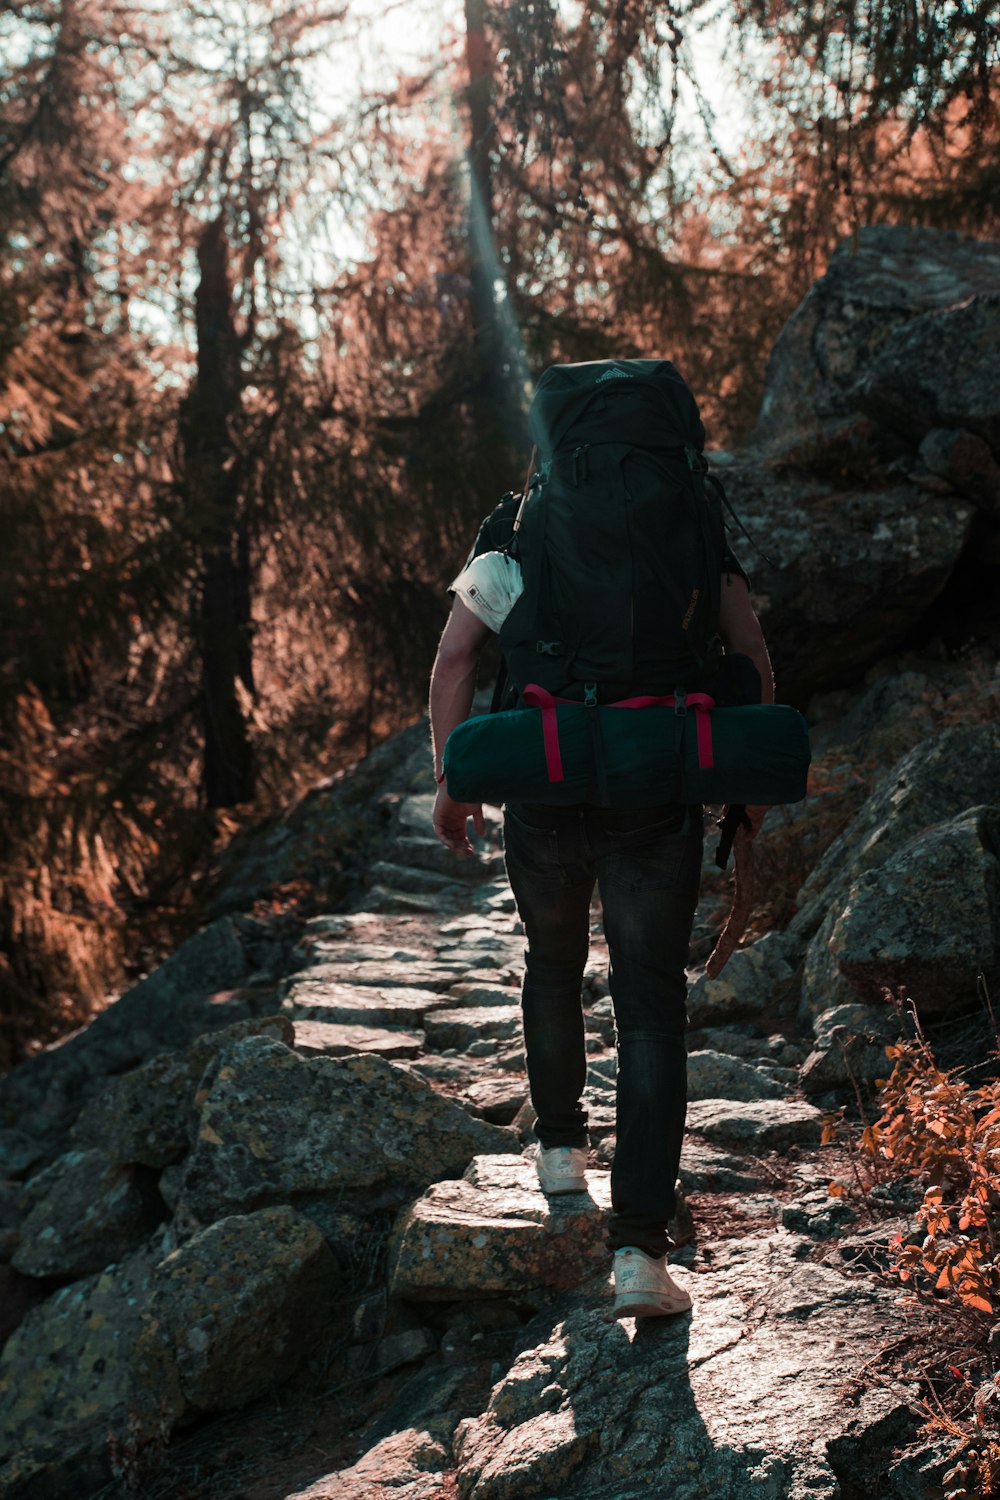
x=942, y=1131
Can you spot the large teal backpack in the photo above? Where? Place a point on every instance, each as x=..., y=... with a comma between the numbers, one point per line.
x=620, y=540
x=618, y=690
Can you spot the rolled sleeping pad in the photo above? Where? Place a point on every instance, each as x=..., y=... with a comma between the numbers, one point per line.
x=656, y=752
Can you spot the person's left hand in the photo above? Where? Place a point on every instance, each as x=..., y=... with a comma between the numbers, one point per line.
x=450, y=819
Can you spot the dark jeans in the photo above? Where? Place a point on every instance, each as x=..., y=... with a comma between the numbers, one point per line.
x=647, y=864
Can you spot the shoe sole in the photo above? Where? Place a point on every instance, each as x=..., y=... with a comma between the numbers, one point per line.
x=642, y=1305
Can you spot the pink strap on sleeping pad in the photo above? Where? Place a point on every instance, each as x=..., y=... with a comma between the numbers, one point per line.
x=538, y=697
x=702, y=705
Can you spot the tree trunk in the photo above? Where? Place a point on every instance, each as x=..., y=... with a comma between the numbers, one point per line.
x=500, y=355
x=212, y=476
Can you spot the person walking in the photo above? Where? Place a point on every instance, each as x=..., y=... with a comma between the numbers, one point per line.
x=644, y=859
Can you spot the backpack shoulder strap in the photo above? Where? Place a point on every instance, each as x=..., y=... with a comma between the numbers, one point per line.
x=720, y=491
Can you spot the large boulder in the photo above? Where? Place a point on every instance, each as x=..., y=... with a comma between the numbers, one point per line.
x=933, y=783
x=232, y=1313
x=848, y=569
x=928, y=919
x=850, y=1048
x=495, y=1233
x=670, y=1406
x=199, y=987
x=947, y=773
x=114, y=1361
x=275, y=1127
x=874, y=285
x=64, y=1380
x=715, y=1075
x=760, y=1125
x=146, y=1114
x=84, y=1212
x=940, y=371
x=753, y=980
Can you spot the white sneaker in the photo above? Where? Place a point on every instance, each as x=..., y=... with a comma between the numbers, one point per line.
x=562, y=1169
x=644, y=1288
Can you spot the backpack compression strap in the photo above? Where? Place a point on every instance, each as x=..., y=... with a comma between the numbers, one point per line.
x=539, y=697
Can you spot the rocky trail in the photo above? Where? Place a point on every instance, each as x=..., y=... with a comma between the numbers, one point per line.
x=460, y=1333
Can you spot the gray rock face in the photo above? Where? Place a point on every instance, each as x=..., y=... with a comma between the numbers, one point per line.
x=713, y=1075
x=852, y=569
x=933, y=783
x=828, y=347
x=749, y=984
x=274, y=1125
x=496, y=1232
x=84, y=1212
x=666, y=1406
x=64, y=1374
x=760, y=1126
x=928, y=918
x=894, y=714
x=233, y=1312
x=940, y=370
x=146, y=1115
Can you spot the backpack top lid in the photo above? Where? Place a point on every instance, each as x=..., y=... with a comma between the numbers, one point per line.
x=643, y=402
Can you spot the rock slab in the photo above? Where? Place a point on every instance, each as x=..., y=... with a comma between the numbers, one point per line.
x=743, y=1399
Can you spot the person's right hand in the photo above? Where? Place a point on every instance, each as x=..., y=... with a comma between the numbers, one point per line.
x=450, y=819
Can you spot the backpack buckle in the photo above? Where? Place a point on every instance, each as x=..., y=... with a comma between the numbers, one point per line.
x=680, y=702
x=590, y=694
x=548, y=648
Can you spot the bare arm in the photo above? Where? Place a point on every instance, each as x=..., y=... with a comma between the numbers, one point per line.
x=453, y=684
x=741, y=632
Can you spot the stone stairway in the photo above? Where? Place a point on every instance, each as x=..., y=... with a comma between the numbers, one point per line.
x=376, y=1135
x=752, y=1396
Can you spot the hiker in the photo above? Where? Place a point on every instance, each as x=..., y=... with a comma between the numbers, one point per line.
x=645, y=860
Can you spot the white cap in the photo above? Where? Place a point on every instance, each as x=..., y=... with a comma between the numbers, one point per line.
x=490, y=585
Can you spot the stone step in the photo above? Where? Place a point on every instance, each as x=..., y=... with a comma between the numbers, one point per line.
x=429, y=854
x=766, y=1125
x=382, y=898
x=480, y=940
x=497, y=901
x=410, y=878
x=497, y=1099
x=486, y=994
x=359, y=1004
x=505, y=974
x=326, y=1039
x=716, y=1075
x=461, y=1028
x=361, y=953
x=494, y=1232
x=419, y=974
